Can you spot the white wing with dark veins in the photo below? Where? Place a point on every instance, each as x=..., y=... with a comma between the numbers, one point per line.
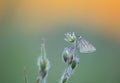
x=85, y=46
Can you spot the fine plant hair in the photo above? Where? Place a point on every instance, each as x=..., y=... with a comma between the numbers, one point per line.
x=69, y=57
x=43, y=66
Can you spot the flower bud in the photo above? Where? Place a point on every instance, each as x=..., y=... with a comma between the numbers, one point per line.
x=43, y=64
x=64, y=80
x=75, y=62
x=70, y=59
x=65, y=54
x=65, y=77
x=73, y=65
x=70, y=37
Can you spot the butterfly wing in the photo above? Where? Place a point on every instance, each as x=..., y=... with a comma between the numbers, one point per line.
x=85, y=46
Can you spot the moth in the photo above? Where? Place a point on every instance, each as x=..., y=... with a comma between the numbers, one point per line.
x=84, y=46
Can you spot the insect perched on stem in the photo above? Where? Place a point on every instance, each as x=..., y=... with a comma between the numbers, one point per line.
x=69, y=56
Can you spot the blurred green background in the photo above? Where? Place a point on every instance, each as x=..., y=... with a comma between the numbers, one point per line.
x=20, y=38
